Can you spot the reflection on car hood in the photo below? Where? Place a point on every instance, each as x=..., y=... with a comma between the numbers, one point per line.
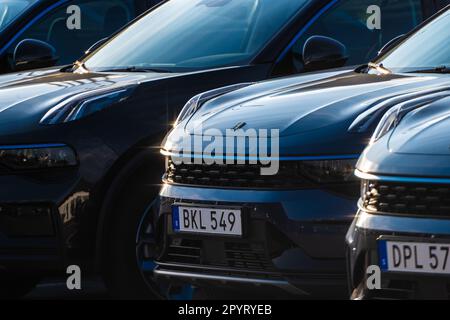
x=418, y=147
x=308, y=106
x=424, y=131
x=26, y=97
x=312, y=112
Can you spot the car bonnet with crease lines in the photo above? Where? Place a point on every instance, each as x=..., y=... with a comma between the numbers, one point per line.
x=291, y=226
x=403, y=221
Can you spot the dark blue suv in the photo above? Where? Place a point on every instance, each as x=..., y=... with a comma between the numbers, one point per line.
x=228, y=221
x=403, y=222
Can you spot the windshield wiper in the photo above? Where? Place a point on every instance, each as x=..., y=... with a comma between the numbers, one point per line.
x=137, y=69
x=440, y=69
x=379, y=67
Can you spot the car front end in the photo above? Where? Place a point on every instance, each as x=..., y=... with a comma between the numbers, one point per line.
x=267, y=232
x=222, y=221
x=51, y=163
x=32, y=216
x=402, y=228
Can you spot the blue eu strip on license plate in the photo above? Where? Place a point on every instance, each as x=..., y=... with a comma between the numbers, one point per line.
x=382, y=254
x=176, y=218
x=414, y=257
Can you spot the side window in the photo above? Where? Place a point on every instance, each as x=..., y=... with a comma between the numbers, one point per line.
x=360, y=26
x=75, y=26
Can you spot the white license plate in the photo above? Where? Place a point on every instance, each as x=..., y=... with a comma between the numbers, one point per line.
x=197, y=220
x=414, y=257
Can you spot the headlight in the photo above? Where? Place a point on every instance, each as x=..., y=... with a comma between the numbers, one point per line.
x=83, y=105
x=37, y=157
x=330, y=171
x=196, y=102
x=389, y=121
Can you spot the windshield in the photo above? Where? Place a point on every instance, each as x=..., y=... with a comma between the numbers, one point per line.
x=196, y=34
x=10, y=9
x=427, y=49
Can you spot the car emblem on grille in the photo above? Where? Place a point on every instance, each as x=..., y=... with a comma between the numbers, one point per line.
x=240, y=125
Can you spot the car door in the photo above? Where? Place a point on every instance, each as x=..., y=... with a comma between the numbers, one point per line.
x=73, y=26
x=363, y=26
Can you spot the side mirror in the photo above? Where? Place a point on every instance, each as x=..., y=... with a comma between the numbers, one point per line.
x=391, y=44
x=321, y=53
x=33, y=54
x=95, y=46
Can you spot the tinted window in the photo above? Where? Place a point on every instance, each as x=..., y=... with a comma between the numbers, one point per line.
x=428, y=48
x=10, y=9
x=349, y=21
x=70, y=35
x=197, y=34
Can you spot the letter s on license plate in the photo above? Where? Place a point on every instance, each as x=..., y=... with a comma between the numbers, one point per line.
x=200, y=220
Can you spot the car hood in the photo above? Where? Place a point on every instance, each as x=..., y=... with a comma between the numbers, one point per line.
x=297, y=107
x=313, y=113
x=419, y=146
x=424, y=131
x=25, y=98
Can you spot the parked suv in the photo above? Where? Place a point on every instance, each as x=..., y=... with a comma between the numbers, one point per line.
x=403, y=222
x=226, y=224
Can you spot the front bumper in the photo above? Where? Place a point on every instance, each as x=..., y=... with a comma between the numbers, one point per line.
x=294, y=240
x=362, y=252
x=38, y=220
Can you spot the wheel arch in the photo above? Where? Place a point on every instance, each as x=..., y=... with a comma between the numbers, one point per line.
x=120, y=174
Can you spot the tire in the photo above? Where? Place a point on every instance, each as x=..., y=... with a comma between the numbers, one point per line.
x=122, y=273
x=14, y=286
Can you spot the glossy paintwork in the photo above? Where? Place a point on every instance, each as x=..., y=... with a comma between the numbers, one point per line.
x=418, y=147
x=100, y=140
x=314, y=114
x=416, y=151
x=307, y=109
x=104, y=139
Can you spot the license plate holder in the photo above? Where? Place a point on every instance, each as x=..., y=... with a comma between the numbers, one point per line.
x=208, y=220
x=414, y=256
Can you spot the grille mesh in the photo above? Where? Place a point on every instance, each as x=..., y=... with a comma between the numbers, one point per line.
x=411, y=199
x=236, y=176
x=246, y=256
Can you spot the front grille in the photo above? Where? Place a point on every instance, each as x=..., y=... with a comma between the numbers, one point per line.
x=253, y=254
x=247, y=256
x=236, y=176
x=234, y=255
x=408, y=199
